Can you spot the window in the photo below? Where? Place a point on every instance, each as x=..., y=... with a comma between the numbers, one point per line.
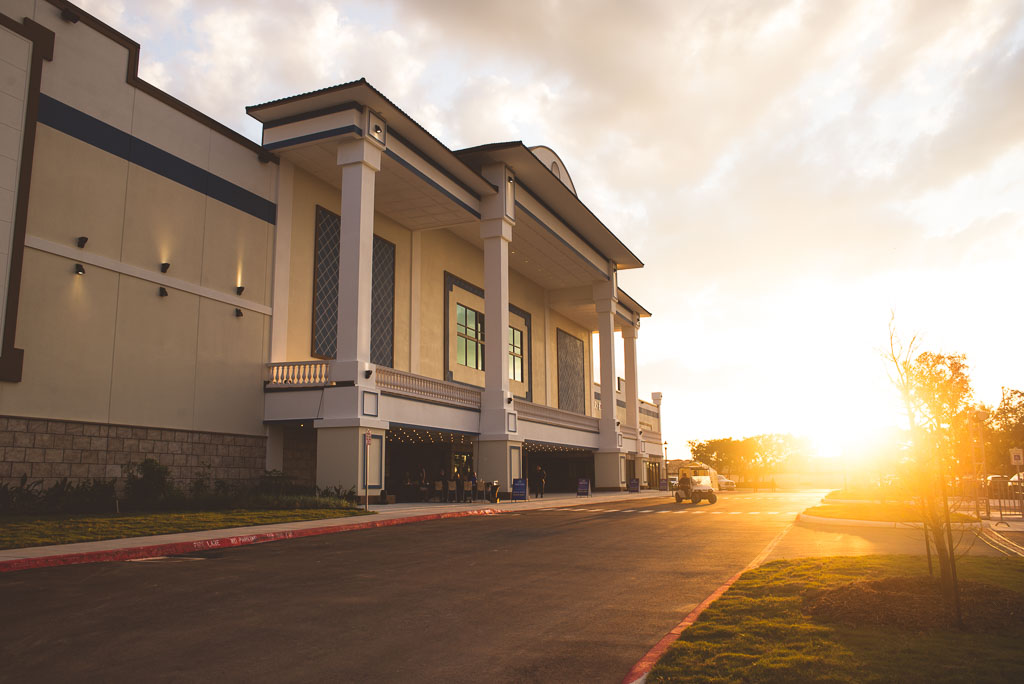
x=515, y=354
x=469, y=340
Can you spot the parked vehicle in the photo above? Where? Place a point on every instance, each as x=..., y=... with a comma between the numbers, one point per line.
x=725, y=483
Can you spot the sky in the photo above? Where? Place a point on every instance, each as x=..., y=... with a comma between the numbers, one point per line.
x=792, y=173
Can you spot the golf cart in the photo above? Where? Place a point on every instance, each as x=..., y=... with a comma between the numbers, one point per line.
x=696, y=487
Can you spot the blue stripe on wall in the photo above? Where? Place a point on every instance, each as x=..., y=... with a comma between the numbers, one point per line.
x=80, y=125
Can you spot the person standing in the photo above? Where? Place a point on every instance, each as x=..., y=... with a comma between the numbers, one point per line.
x=542, y=477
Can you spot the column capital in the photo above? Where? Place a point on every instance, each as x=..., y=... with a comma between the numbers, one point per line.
x=496, y=228
x=359, y=151
x=629, y=332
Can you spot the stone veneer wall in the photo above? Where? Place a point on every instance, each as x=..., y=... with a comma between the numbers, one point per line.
x=49, y=450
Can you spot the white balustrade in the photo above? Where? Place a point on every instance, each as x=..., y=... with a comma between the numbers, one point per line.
x=298, y=374
x=538, y=413
x=418, y=387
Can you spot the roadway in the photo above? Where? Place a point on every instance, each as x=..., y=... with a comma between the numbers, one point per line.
x=566, y=594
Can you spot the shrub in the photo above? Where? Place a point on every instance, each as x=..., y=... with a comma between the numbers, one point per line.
x=148, y=485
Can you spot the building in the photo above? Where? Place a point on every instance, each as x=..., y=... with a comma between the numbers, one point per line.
x=347, y=302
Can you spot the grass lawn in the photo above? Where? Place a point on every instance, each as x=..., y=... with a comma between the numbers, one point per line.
x=888, y=512
x=759, y=631
x=19, y=531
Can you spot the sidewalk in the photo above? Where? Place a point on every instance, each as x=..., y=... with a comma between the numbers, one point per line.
x=204, y=540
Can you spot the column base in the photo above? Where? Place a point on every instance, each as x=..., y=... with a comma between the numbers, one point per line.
x=609, y=471
x=501, y=461
x=341, y=453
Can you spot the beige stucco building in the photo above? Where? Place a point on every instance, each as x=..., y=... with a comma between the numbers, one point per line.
x=348, y=302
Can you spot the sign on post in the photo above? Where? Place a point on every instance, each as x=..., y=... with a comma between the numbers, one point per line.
x=634, y=486
x=582, y=487
x=663, y=484
x=519, y=489
x=1017, y=456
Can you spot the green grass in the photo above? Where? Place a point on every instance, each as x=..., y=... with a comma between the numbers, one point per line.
x=888, y=512
x=757, y=631
x=19, y=531
x=869, y=493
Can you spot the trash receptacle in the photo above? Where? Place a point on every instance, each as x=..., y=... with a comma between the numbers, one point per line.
x=492, y=491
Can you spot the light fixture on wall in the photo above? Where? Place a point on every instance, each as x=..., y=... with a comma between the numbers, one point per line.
x=239, y=290
x=79, y=269
x=164, y=266
x=238, y=313
x=367, y=374
x=81, y=241
x=69, y=16
x=509, y=400
x=162, y=292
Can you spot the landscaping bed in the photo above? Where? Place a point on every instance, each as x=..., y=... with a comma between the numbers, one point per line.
x=20, y=531
x=856, y=619
x=877, y=512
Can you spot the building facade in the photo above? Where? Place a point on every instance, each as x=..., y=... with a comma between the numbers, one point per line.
x=350, y=302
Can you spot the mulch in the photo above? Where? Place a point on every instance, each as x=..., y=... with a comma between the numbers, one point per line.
x=916, y=603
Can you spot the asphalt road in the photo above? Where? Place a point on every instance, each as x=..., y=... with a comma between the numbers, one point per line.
x=566, y=595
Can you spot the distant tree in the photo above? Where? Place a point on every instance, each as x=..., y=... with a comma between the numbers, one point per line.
x=936, y=393
x=1006, y=430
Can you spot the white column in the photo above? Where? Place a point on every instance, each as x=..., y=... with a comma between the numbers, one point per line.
x=604, y=303
x=282, y=262
x=359, y=161
x=629, y=333
x=414, y=301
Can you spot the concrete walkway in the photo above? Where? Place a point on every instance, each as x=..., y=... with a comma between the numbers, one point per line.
x=191, y=542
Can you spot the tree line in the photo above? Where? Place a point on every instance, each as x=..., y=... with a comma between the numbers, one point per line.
x=753, y=458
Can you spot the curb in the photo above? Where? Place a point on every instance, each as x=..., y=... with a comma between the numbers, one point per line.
x=849, y=522
x=179, y=548
x=638, y=674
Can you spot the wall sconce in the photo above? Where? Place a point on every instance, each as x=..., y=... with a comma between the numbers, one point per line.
x=69, y=16
x=162, y=292
x=616, y=423
x=239, y=290
x=238, y=313
x=164, y=266
x=509, y=400
x=367, y=374
x=81, y=241
x=79, y=269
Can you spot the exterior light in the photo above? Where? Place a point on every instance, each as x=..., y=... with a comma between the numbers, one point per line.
x=79, y=269
x=69, y=16
x=164, y=266
x=367, y=374
x=162, y=292
x=81, y=241
x=238, y=313
x=240, y=289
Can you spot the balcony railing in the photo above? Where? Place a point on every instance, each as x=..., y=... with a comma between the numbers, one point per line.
x=418, y=387
x=538, y=413
x=298, y=374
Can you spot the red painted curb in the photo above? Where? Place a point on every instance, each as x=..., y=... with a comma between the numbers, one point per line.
x=178, y=548
x=644, y=665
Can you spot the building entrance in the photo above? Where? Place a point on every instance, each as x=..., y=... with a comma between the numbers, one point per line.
x=563, y=465
x=418, y=459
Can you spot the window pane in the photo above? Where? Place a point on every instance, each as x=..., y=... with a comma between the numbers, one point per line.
x=460, y=350
x=471, y=355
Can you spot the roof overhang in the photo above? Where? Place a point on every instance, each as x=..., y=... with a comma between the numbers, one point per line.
x=360, y=93
x=536, y=178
